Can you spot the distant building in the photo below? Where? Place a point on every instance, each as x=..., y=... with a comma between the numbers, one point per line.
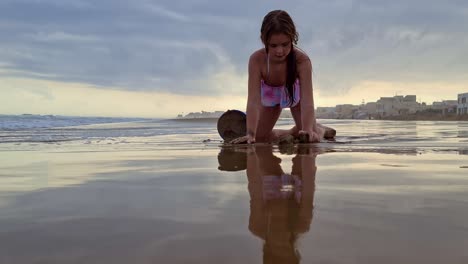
x=346, y=111
x=202, y=114
x=386, y=106
x=409, y=105
x=326, y=112
x=462, y=106
x=445, y=106
x=397, y=105
x=370, y=108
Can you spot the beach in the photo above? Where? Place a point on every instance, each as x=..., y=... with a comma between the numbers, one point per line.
x=168, y=191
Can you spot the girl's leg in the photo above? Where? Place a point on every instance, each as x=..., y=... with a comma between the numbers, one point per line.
x=268, y=117
x=267, y=120
x=279, y=133
x=328, y=132
x=323, y=131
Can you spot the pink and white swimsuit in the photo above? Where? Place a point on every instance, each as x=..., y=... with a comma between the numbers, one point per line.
x=278, y=95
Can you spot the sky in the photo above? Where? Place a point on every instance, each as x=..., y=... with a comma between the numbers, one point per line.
x=145, y=58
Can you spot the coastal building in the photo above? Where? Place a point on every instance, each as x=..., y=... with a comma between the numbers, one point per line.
x=386, y=107
x=445, y=106
x=370, y=109
x=409, y=105
x=202, y=114
x=326, y=113
x=346, y=111
x=366, y=111
x=462, y=106
x=397, y=105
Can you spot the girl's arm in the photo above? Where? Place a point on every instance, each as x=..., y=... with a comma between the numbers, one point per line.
x=253, y=99
x=308, y=121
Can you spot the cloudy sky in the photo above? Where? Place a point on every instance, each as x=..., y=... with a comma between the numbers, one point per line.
x=160, y=58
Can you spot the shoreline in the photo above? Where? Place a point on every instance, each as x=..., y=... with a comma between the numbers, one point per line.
x=390, y=118
x=413, y=117
x=428, y=118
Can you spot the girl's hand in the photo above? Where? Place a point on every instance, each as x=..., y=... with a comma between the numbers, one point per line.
x=312, y=136
x=249, y=139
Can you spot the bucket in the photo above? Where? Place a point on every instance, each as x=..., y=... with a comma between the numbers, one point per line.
x=232, y=124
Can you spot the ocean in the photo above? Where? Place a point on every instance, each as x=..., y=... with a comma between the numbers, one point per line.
x=139, y=190
x=27, y=130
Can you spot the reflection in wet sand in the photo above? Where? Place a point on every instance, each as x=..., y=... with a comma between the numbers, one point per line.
x=388, y=192
x=281, y=203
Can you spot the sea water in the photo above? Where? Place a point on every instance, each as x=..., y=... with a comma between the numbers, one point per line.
x=120, y=190
x=25, y=130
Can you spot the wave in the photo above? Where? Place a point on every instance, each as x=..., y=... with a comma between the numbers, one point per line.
x=27, y=121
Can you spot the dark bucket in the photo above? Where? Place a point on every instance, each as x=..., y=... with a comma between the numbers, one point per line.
x=232, y=124
x=231, y=160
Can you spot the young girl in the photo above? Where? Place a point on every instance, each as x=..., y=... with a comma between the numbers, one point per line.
x=280, y=76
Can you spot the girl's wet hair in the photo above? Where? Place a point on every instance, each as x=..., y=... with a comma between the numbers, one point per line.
x=279, y=22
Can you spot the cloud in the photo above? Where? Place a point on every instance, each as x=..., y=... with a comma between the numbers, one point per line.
x=183, y=47
x=54, y=37
x=161, y=11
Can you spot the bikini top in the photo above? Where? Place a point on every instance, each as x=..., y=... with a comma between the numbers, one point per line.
x=278, y=95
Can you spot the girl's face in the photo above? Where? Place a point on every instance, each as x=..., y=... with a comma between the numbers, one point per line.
x=279, y=47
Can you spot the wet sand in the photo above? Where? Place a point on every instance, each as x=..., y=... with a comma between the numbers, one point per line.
x=207, y=204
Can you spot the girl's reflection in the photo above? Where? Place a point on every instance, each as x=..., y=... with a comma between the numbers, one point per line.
x=281, y=204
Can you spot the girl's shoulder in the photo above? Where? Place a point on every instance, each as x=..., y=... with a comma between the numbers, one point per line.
x=258, y=56
x=301, y=56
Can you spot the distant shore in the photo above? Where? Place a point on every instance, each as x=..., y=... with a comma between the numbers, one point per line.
x=427, y=117
x=195, y=119
x=410, y=118
x=415, y=117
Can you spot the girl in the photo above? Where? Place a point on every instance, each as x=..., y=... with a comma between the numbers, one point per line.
x=280, y=76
